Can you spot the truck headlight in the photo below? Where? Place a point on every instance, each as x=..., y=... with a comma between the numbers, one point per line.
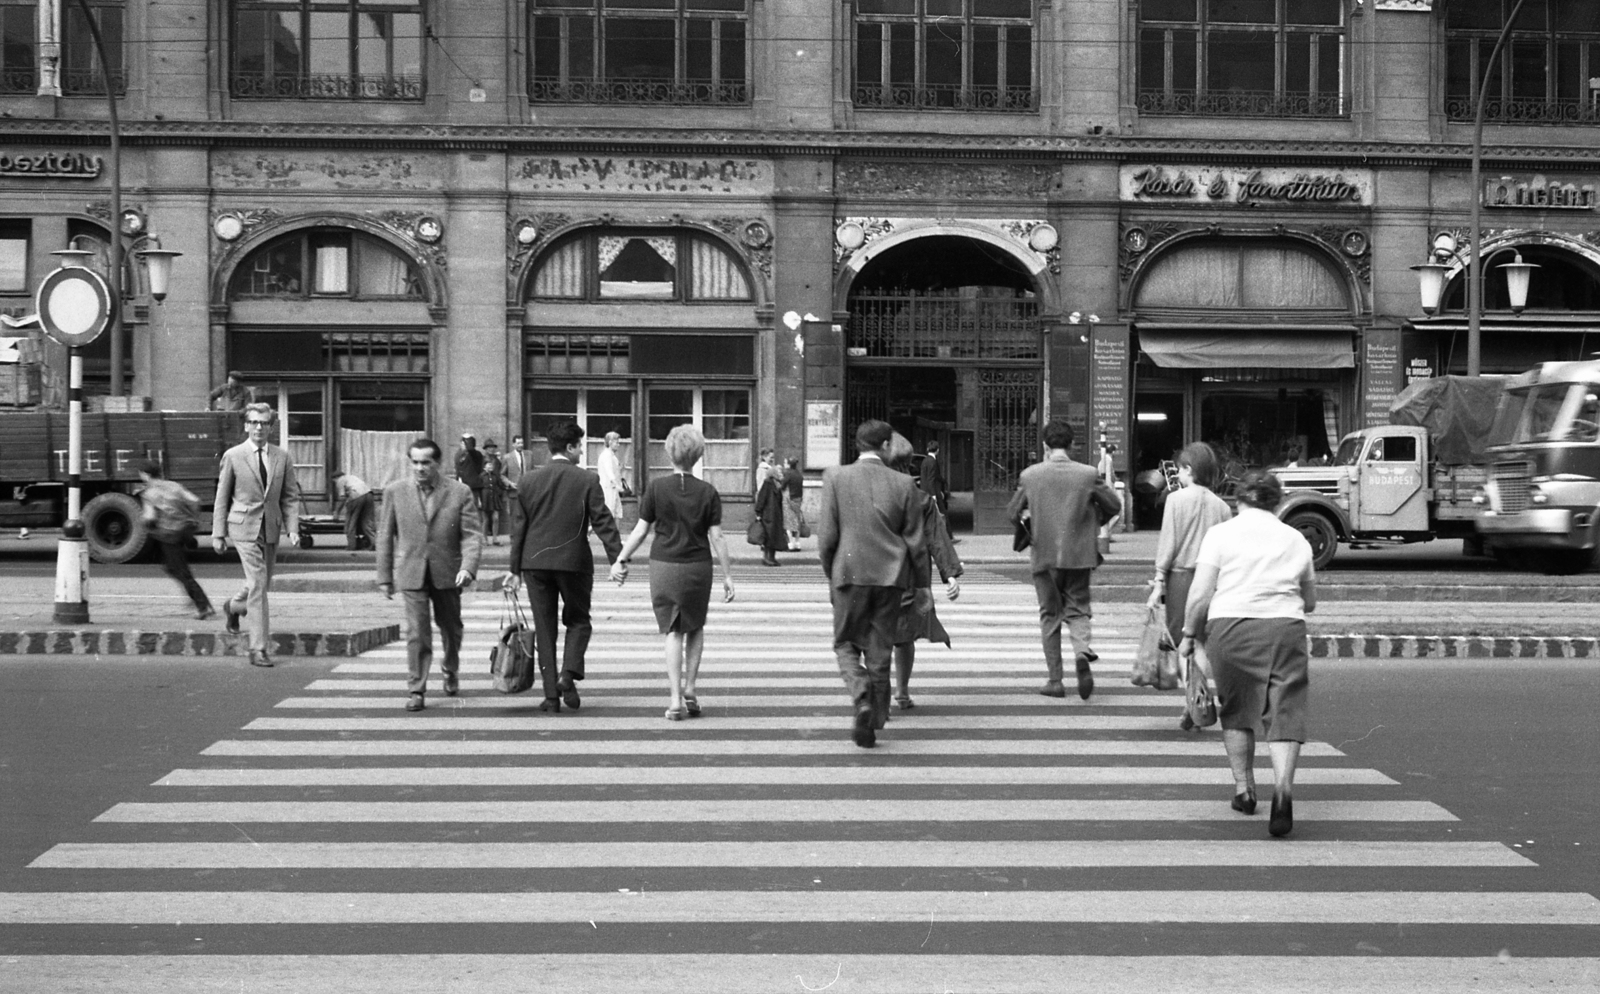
x=1536, y=495
x=1480, y=497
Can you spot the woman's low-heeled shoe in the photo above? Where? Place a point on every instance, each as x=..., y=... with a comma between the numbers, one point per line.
x=677, y=714
x=1282, y=822
x=691, y=704
x=1245, y=803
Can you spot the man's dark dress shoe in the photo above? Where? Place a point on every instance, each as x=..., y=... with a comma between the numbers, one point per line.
x=259, y=657
x=569, y=696
x=414, y=703
x=863, y=732
x=231, y=617
x=552, y=704
x=452, y=683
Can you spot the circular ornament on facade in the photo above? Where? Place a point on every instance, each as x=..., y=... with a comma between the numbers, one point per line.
x=429, y=229
x=1136, y=240
x=1354, y=243
x=526, y=231
x=74, y=306
x=132, y=221
x=756, y=235
x=228, y=227
x=850, y=236
x=1043, y=237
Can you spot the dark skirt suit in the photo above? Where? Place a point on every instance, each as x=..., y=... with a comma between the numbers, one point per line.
x=1263, y=675
x=683, y=510
x=769, y=508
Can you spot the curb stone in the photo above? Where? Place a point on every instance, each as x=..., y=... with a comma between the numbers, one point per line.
x=119, y=642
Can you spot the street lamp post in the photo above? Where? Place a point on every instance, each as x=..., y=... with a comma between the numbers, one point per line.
x=1474, y=260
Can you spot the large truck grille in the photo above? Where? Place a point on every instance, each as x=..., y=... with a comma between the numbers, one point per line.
x=1511, y=482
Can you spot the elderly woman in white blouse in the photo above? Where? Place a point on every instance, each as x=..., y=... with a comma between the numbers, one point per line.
x=1253, y=585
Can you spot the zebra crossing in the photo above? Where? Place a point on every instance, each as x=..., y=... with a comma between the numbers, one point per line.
x=994, y=840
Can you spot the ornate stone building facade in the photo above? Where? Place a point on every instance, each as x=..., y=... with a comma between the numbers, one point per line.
x=774, y=218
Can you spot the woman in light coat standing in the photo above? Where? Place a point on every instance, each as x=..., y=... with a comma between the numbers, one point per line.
x=1190, y=513
x=1253, y=585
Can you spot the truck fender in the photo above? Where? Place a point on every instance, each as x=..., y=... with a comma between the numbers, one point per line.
x=1320, y=504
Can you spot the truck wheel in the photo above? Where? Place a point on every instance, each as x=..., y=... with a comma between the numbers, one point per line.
x=113, y=528
x=1564, y=562
x=1319, y=532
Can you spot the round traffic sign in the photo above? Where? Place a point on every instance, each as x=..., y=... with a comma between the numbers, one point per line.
x=74, y=305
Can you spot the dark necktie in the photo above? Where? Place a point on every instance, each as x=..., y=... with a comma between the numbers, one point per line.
x=261, y=467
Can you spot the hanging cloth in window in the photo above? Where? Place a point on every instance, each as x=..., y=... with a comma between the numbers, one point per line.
x=716, y=276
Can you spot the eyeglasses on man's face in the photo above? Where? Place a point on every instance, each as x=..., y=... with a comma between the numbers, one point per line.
x=259, y=424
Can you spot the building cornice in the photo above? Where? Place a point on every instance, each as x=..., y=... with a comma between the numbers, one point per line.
x=522, y=139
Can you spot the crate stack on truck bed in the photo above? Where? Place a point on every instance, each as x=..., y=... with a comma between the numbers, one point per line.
x=33, y=469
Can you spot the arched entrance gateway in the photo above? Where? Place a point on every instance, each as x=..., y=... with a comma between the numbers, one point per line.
x=944, y=342
x=1246, y=343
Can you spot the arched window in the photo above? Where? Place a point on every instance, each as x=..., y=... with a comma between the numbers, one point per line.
x=326, y=262
x=1268, y=276
x=1564, y=282
x=606, y=264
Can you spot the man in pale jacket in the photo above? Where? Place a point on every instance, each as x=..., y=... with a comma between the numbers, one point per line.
x=870, y=538
x=257, y=502
x=429, y=544
x=1065, y=502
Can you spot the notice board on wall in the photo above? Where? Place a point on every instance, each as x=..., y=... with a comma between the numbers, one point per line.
x=824, y=421
x=1382, y=376
x=1108, y=393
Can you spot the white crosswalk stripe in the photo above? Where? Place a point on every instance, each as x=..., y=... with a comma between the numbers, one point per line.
x=986, y=806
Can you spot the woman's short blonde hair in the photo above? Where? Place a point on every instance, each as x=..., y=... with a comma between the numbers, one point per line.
x=685, y=445
x=899, y=451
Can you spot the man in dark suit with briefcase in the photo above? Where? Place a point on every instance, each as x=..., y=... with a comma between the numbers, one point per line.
x=870, y=537
x=559, y=502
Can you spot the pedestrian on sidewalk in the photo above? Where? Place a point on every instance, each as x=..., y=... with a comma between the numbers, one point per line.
x=1191, y=511
x=870, y=538
x=918, y=619
x=173, y=516
x=1065, y=502
x=769, y=508
x=494, y=491
x=257, y=502
x=469, y=466
x=931, y=479
x=429, y=545
x=612, y=482
x=794, y=517
x=686, y=516
x=559, y=503
x=516, y=464
x=354, y=498
x=1254, y=582
x=233, y=395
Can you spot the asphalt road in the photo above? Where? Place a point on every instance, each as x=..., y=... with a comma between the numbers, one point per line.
x=1506, y=748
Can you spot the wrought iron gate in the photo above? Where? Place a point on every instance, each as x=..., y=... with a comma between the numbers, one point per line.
x=1006, y=440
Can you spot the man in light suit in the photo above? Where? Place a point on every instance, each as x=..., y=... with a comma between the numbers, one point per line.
x=1065, y=502
x=258, y=501
x=559, y=503
x=870, y=537
x=517, y=465
x=429, y=544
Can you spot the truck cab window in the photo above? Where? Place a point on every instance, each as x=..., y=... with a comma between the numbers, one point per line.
x=1399, y=448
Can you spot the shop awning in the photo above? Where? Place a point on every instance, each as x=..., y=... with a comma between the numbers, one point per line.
x=1213, y=348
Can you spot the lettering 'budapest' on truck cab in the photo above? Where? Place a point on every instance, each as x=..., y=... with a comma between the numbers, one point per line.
x=1543, y=491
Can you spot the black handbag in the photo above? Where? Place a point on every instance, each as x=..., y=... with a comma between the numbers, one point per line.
x=756, y=534
x=512, y=661
x=1023, y=536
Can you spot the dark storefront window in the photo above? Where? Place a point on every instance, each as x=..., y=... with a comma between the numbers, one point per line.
x=326, y=263
x=945, y=54
x=638, y=51
x=18, y=67
x=15, y=236
x=1242, y=58
x=327, y=50
x=1545, y=72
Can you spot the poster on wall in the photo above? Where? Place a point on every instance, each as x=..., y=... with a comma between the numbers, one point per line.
x=1108, y=394
x=1382, y=377
x=823, y=426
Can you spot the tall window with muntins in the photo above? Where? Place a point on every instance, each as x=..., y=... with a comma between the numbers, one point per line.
x=609, y=264
x=81, y=71
x=1547, y=73
x=945, y=54
x=14, y=238
x=639, y=51
x=326, y=263
x=327, y=50
x=1242, y=58
x=19, y=70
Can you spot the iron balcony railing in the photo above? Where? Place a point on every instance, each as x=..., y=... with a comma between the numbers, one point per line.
x=278, y=86
x=19, y=80
x=551, y=90
x=1532, y=110
x=915, y=325
x=1240, y=103
x=946, y=97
